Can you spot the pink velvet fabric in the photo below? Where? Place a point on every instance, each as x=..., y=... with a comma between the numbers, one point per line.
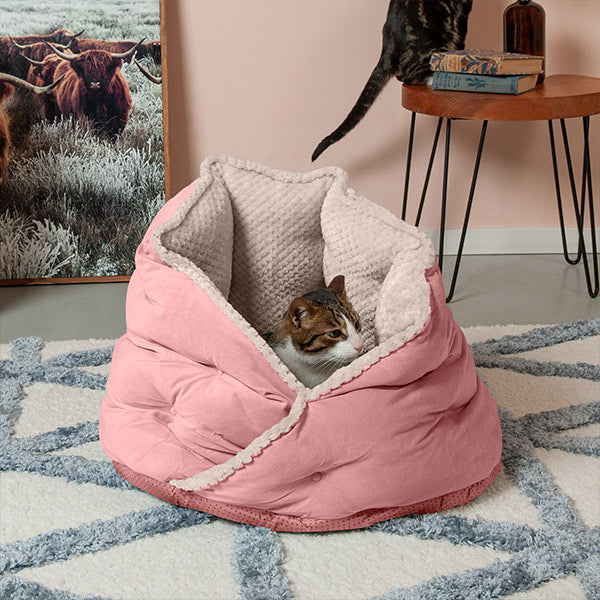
x=188, y=390
x=279, y=522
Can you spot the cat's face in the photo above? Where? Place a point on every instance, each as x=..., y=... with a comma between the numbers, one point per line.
x=324, y=328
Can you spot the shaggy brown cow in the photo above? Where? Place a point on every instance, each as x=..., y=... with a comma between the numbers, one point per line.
x=93, y=88
x=151, y=49
x=7, y=82
x=11, y=60
x=33, y=54
x=63, y=37
x=39, y=50
x=5, y=91
x=42, y=73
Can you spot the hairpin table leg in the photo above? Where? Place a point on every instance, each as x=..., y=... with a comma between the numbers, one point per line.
x=411, y=139
x=429, y=168
x=561, y=218
x=444, y=195
x=579, y=207
x=587, y=179
x=463, y=234
x=409, y=153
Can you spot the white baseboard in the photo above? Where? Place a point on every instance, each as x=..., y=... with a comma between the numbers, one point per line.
x=508, y=241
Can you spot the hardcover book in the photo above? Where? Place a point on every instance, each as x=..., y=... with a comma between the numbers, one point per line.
x=486, y=62
x=467, y=82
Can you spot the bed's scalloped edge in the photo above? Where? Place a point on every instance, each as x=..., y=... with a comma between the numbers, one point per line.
x=280, y=522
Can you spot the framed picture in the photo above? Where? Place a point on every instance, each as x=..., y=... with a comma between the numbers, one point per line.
x=82, y=161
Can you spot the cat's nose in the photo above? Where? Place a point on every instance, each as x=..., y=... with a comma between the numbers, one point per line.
x=358, y=346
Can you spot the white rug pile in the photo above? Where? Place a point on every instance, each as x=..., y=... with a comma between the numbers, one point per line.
x=71, y=528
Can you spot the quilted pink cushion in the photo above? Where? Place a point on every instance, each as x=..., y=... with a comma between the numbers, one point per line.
x=198, y=413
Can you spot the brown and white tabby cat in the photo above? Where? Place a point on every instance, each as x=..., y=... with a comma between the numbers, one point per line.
x=413, y=31
x=318, y=334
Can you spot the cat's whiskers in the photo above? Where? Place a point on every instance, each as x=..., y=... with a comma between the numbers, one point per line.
x=329, y=361
x=318, y=334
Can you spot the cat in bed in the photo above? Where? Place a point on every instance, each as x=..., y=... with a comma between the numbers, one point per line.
x=319, y=333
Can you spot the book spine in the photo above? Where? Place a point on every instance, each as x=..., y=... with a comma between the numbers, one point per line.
x=464, y=63
x=464, y=82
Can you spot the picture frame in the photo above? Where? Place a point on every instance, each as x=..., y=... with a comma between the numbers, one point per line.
x=81, y=185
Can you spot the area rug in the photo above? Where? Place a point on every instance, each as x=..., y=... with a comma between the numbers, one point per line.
x=71, y=528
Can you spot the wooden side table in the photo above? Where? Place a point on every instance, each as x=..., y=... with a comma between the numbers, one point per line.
x=559, y=97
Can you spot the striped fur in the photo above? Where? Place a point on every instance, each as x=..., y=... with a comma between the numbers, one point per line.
x=413, y=31
x=318, y=333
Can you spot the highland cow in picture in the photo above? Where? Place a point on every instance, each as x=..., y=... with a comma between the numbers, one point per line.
x=14, y=49
x=7, y=84
x=6, y=91
x=150, y=49
x=82, y=170
x=93, y=87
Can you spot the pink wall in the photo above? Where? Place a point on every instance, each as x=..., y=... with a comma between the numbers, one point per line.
x=267, y=79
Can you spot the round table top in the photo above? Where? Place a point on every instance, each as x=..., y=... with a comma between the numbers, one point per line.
x=559, y=97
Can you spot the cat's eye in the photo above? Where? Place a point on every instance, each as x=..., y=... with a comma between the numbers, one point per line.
x=336, y=333
x=357, y=325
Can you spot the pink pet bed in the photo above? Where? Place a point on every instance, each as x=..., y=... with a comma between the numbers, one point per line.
x=200, y=411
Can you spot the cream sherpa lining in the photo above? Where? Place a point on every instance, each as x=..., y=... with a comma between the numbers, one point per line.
x=247, y=235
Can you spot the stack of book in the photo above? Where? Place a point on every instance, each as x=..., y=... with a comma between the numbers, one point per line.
x=485, y=71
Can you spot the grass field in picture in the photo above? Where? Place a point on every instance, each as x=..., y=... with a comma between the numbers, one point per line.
x=72, y=203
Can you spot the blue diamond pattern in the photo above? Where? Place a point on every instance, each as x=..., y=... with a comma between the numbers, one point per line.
x=564, y=546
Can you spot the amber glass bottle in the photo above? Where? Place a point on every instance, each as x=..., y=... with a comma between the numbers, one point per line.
x=525, y=30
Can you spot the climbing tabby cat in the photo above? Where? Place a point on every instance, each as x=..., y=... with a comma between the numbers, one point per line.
x=319, y=333
x=413, y=31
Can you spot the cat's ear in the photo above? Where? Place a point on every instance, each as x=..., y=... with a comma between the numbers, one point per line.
x=338, y=285
x=297, y=310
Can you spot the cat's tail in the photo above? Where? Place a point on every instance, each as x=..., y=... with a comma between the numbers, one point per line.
x=376, y=82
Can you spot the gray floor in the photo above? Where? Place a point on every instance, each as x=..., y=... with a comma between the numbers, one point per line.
x=492, y=290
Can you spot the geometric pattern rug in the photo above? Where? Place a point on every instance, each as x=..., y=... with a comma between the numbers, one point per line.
x=71, y=528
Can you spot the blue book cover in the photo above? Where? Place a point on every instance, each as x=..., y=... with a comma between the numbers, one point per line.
x=467, y=82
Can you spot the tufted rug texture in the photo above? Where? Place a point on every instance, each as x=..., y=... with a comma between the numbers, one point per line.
x=71, y=528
